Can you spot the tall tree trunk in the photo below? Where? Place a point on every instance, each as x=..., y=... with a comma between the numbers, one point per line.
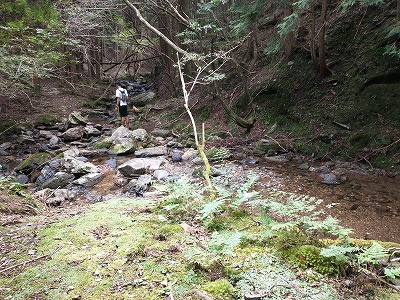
x=323, y=69
x=313, y=38
x=290, y=39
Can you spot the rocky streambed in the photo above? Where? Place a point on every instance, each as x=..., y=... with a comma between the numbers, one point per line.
x=81, y=162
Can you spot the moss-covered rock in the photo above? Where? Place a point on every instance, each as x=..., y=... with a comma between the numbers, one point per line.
x=216, y=154
x=34, y=161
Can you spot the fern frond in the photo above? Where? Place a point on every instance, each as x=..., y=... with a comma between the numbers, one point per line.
x=210, y=208
x=372, y=254
x=339, y=252
x=392, y=272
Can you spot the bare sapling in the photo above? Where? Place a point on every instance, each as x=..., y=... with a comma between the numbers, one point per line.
x=200, y=146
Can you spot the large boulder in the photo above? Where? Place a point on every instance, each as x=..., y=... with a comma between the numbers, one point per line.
x=143, y=99
x=79, y=166
x=124, y=141
x=138, y=166
x=140, y=134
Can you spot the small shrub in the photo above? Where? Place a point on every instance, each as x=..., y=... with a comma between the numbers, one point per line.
x=220, y=289
x=309, y=257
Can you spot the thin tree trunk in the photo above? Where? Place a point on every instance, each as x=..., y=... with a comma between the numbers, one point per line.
x=313, y=38
x=398, y=11
x=290, y=37
x=323, y=69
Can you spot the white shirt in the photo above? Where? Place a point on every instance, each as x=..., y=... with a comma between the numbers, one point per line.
x=118, y=94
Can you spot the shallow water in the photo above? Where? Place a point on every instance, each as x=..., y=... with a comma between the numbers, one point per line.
x=368, y=204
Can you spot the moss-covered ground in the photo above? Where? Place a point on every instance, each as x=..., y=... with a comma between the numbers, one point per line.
x=175, y=244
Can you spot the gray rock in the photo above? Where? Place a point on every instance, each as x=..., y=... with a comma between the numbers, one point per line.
x=161, y=133
x=23, y=138
x=33, y=162
x=4, y=153
x=111, y=163
x=190, y=154
x=174, y=144
x=160, y=174
x=264, y=145
x=89, y=179
x=250, y=161
x=138, y=166
x=65, y=194
x=217, y=154
x=198, y=161
x=5, y=146
x=320, y=170
x=90, y=130
x=140, y=185
x=122, y=146
x=71, y=152
x=59, y=180
x=143, y=99
x=125, y=141
x=277, y=159
x=75, y=118
x=73, y=134
x=303, y=166
x=46, y=173
x=77, y=166
x=176, y=155
x=139, y=134
x=152, y=152
x=329, y=179
x=54, y=140
x=23, y=179
x=120, y=132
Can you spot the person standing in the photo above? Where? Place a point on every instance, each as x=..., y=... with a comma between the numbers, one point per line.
x=121, y=94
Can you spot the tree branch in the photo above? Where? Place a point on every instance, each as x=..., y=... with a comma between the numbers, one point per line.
x=155, y=30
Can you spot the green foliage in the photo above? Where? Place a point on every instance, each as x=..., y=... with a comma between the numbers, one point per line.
x=392, y=272
x=5, y=181
x=308, y=256
x=299, y=211
x=393, y=35
x=224, y=242
x=263, y=272
x=46, y=120
x=31, y=38
x=101, y=144
x=372, y=254
x=246, y=15
x=339, y=252
x=182, y=199
x=220, y=289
